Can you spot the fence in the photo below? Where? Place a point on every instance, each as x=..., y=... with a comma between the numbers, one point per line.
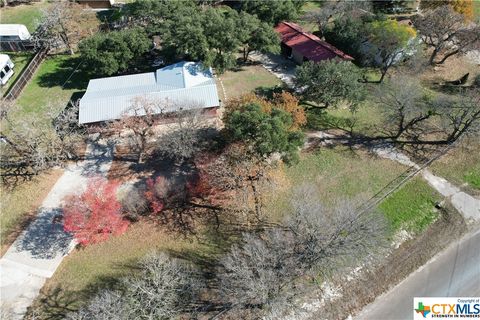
x=25, y=76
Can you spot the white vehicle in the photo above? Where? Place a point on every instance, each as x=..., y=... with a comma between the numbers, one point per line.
x=6, y=68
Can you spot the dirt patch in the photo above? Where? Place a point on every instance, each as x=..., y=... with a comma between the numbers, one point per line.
x=397, y=266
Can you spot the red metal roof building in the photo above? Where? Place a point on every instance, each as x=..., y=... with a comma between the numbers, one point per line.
x=304, y=46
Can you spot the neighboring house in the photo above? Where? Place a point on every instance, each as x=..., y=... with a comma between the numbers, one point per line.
x=14, y=37
x=97, y=4
x=6, y=68
x=181, y=86
x=301, y=46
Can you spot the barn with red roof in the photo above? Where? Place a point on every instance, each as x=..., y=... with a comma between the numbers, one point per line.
x=301, y=46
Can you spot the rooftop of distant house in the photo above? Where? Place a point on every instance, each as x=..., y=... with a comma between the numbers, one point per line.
x=308, y=44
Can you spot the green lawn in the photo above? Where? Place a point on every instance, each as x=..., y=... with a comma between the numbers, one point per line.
x=476, y=8
x=247, y=79
x=461, y=165
x=337, y=173
x=27, y=14
x=53, y=82
x=20, y=59
x=412, y=207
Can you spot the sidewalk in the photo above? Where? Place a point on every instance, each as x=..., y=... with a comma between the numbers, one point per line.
x=39, y=250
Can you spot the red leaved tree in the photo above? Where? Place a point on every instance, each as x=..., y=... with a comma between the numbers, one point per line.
x=96, y=214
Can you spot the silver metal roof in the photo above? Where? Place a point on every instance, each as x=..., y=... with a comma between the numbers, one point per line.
x=184, y=85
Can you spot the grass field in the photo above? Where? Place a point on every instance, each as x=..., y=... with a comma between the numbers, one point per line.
x=412, y=207
x=27, y=14
x=18, y=205
x=20, y=59
x=337, y=173
x=53, y=82
x=461, y=165
x=247, y=79
x=476, y=8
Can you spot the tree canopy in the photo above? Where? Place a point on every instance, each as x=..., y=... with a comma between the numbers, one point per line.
x=272, y=12
x=266, y=133
x=330, y=82
x=116, y=51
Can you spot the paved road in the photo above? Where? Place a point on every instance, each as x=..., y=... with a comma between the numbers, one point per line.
x=39, y=250
x=453, y=273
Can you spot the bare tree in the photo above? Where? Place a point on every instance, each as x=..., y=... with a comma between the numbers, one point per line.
x=460, y=115
x=106, y=305
x=32, y=143
x=138, y=124
x=259, y=271
x=446, y=32
x=402, y=99
x=64, y=25
x=329, y=238
x=164, y=288
x=185, y=137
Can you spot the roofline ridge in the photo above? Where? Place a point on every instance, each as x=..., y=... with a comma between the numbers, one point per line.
x=313, y=37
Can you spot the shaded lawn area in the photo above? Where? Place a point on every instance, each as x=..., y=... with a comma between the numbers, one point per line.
x=412, y=207
x=53, y=82
x=476, y=8
x=99, y=266
x=19, y=205
x=461, y=165
x=246, y=79
x=20, y=59
x=364, y=120
x=27, y=14
x=337, y=173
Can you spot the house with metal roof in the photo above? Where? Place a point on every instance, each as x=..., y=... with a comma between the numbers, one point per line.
x=181, y=86
x=301, y=46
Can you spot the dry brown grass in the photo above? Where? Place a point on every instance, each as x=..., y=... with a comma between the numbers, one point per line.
x=18, y=206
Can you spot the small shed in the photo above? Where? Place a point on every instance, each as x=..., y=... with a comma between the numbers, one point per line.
x=6, y=68
x=301, y=46
x=14, y=37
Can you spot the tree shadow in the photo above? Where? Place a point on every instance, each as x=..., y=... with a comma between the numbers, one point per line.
x=45, y=237
x=67, y=73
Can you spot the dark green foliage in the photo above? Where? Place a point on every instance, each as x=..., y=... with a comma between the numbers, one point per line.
x=266, y=133
x=272, y=12
x=330, y=82
x=346, y=34
x=393, y=6
x=113, y=52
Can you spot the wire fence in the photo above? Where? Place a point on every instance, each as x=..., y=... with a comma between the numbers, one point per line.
x=26, y=75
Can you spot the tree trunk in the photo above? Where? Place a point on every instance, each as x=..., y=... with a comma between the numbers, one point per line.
x=433, y=56
x=256, y=199
x=448, y=55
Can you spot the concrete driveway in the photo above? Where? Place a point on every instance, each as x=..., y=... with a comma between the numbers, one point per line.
x=39, y=250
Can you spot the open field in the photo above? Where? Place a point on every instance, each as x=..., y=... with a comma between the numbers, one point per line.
x=461, y=165
x=18, y=206
x=20, y=59
x=412, y=207
x=53, y=82
x=27, y=14
x=337, y=174
x=246, y=79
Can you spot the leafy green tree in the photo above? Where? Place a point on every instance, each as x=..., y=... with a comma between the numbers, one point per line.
x=272, y=12
x=255, y=35
x=346, y=33
x=266, y=133
x=220, y=30
x=330, y=82
x=116, y=51
x=388, y=42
